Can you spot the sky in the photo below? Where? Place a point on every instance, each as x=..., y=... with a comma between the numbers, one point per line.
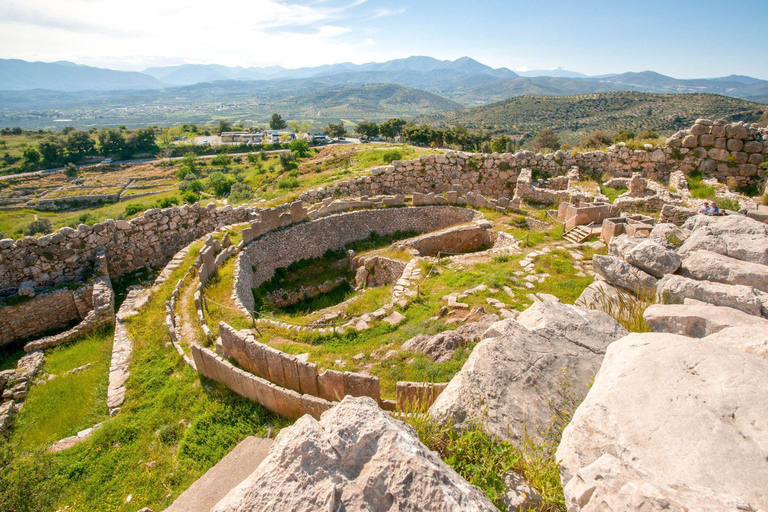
x=681, y=38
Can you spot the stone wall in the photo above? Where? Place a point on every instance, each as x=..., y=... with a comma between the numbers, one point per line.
x=452, y=240
x=150, y=240
x=259, y=260
x=44, y=312
x=377, y=271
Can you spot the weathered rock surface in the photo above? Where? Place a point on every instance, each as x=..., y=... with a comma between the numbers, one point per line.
x=668, y=232
x=620, y=273
x=733, y=235
x=441, y=347
x=699, y=321
x=356, y=458
x=653, y=258
x=711, y=266
x=620, y=245
x=670, y=423
x=743, y=337
x=601, y=295
x=675, y=289
x=514, y=377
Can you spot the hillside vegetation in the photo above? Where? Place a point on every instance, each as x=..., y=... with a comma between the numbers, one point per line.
x=572, y=117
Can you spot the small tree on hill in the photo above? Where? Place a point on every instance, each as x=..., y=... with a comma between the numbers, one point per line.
x=546, y=139
x=336, y=130
x=391, y=128
x=277, y=122
x=367, y=129
x=225, y=126
x=499, y=144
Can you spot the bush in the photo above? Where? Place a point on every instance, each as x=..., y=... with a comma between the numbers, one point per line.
x=299, y=147
x=134, y=208
x=252, y=158
x=240, y=193
x=287, y=183
x=221, y=160
x=167, y=202
x=219, y=184
x=391, y=155
x=624, y=136
x=190, y=197
x=648, y=134
x=287, y=160
x=726, y=203
x=39, y=226
x=596, y=139
x=71, y=170
x=546, y=139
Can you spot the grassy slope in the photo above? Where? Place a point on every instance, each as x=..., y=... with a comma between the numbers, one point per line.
x=575, y=116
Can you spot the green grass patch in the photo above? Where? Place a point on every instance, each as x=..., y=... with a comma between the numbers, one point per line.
x=611, y=192
x=698, y=188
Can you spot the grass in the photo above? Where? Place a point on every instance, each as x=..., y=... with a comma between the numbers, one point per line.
x=611, y=192
x=172, y=428
x=63, y=406
x=698, y=188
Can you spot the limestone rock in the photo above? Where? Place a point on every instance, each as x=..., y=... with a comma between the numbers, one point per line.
x=744, y=337
x=620, y=245
x=356, y=458
x=699, y=321
x=735, y=236
x=653, y=258
x=441, y=347
x=620, y=273
x=711, y=266
x=515, y=375
x=674, y=289
x=683, y=415
x=601, y=296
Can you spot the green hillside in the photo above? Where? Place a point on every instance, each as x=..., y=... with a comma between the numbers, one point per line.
x=574, y=116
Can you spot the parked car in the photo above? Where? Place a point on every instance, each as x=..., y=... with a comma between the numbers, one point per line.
x=107, y=161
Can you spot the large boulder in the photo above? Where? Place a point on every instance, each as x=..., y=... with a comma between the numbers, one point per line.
x=711, y=266
x=601, y=296
x=736, y=236
x=670, y=423
x=620, y=245
x=356, y=458
x=743, y=337
x=674, y=289
x=620, y=273
x=515, y=377
x=441, y=347
x=666, y=232
x=699, y=321
x=653, y=258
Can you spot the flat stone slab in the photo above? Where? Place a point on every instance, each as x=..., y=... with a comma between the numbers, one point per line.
x=230, y=471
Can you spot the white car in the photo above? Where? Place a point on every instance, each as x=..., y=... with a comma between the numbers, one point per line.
x=107, y=161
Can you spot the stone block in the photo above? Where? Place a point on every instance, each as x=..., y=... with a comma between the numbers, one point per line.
x=358, y=384
x=308, y=378
x=298, y=211
x=275, y=366
x=330, y=385
x=315, y=406
x=288, y=403
x=291, y=372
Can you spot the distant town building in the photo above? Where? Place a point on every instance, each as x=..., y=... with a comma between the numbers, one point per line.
x=241, y=137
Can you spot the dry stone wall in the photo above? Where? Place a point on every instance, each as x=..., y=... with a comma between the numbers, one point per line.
x=259, y=260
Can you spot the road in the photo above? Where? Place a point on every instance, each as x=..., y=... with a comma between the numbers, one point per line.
x=45, y=172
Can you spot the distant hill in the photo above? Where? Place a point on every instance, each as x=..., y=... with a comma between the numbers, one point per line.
x=574, y=116
x=557, y=72
x=16, y=75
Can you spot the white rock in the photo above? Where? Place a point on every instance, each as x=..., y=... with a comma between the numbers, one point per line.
x=711, y=266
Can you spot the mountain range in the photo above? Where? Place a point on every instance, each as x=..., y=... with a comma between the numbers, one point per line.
x=463, y=80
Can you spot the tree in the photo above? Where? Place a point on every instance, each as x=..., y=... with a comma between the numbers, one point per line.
x=67, y=130
x=287, y=161
x=299, y=147
x=188, y=164
x=546, y=139
x=70, y=170
x=596, y=139
x=420, y=134
x=367, y=128
x=224, y=126
x=111, y=142
x=336, y=130
x=79, y=144
x=221, y=160
x=624, y=136
x=499, y=144
x=50, y=150
x=391, y=128
x=31, y=155
x=277, y=122
x=142, y=141
x=42, y=225
x=219, y=184
x=240, y=193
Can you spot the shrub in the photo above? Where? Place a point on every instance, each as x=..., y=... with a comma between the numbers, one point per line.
x=546, y=139
x=287, y=183
x=596, y=139
x=252, y=158
x=391, y=155
x=221, y=160
x=71, y=170
x=287, y=161
x=39, y=226
x=134, y=208
x=167, y=202
x=299, y=147
x=624, y=136
x=219, y=184
x=726, y=203
x=240, y=192
x=190, y=197
x=648, y=134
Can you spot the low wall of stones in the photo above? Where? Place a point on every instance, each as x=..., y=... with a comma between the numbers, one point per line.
x=288, y=373
x=102, y=314
x=259, y=260
x=729, y=152
x=282, y=298
x=150, y=240
x=44, y=312
x=452, y=240
x=377, y=271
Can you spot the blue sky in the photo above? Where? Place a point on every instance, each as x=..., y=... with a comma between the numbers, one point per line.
x=683, y=38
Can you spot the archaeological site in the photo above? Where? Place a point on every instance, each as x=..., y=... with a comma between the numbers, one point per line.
x=456, y=331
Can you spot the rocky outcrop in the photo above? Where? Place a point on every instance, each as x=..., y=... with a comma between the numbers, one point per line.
x=711, y=266
x=514, y=378
x=735, y=236
x=620, y=273
x=674, y=289
x=670, y=423
x=653, y=258
x=356, y=458
x=699, y=321
x=441, y=347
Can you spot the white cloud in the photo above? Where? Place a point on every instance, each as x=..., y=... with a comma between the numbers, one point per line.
x=140, y=33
